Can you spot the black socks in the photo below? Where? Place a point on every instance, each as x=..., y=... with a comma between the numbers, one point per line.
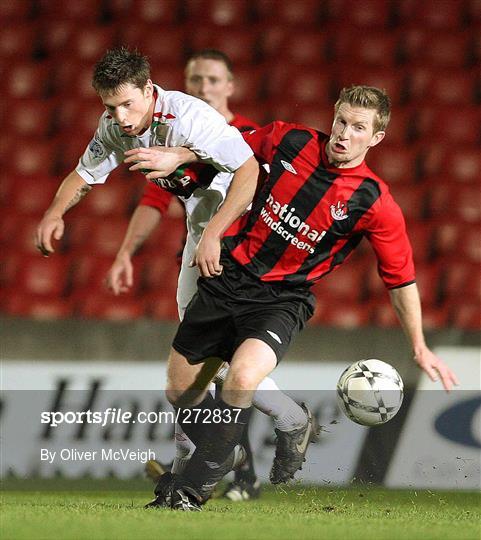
x=246, y=472
x=216, y=443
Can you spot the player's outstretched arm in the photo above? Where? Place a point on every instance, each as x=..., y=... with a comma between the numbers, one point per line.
x=71, y=190
x=240, y=195
x=407, y=305
x=160, y=160
x=144, y=220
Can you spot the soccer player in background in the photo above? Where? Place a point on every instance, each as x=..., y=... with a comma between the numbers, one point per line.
x=160, y=130
x=309, y=213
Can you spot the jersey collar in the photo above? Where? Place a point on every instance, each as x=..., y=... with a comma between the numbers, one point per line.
x=160, y=115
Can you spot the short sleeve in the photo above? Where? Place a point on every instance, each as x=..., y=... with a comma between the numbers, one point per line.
x=155, y=197
x=387, y=234
x=263, y=141
x=100, y=157
x=243, y=124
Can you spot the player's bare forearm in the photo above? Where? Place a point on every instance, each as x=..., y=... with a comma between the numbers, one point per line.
x=70, y=192
x=159, y=160
x=120, y=276
x=143, y=221
x=406, y=303
x=240, y=195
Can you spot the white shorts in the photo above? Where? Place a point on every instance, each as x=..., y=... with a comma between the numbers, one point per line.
x=187, y=283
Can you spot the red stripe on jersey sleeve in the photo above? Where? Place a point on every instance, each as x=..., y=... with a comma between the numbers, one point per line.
x=155, y=197
x=387, y=234
x=242, y=123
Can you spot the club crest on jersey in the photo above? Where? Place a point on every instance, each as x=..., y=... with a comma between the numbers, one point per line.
x=288, y=166
x=339, y=211
x=96, y=149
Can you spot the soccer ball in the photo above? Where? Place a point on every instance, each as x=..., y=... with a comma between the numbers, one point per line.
x=370, y=392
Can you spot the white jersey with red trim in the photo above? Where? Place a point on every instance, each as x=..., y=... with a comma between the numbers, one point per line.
x=178, y=120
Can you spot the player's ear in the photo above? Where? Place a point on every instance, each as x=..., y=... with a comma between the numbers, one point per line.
x=230, y=88
x=149, y=89
x=377, y=138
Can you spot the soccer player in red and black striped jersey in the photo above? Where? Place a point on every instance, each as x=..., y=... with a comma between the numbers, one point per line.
x=309, y=213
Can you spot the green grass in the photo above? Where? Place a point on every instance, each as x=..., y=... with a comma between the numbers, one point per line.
x=94, y=509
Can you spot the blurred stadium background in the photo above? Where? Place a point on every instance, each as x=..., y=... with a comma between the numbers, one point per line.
x=291, y=59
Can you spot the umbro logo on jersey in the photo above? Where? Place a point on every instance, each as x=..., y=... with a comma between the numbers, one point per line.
x=288, y=166
x=339, y=211
x=274, y=336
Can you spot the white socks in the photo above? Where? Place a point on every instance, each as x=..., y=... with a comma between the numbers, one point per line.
x=270, y=400
x=285, y=412
x=184, y=448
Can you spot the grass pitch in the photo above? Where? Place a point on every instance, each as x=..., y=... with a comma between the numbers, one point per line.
x=100, y=509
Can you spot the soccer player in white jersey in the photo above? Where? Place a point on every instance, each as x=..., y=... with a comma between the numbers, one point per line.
x=139, y=116
x=209, y=76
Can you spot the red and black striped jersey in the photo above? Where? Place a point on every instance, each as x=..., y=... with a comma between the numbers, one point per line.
x=199, y=173
x=242, y=123
x=308, y=216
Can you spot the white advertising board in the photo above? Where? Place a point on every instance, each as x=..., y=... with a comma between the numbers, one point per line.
x=73, y=448
x=440, y=444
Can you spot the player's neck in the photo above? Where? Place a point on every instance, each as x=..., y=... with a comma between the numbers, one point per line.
x=226, y=113
x=345, y=164
x=150, y=114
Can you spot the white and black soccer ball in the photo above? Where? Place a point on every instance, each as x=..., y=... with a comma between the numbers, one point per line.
x=370, y=392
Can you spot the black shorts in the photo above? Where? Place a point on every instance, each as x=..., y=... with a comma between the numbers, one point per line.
x=235, y=306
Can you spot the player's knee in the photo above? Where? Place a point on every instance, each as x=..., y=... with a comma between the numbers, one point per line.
x=179, y=398
x=241, y=380
x=174, y=397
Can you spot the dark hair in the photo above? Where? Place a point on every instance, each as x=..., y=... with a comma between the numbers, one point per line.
x=118, y=67
x=368, y=97
x=213, y=54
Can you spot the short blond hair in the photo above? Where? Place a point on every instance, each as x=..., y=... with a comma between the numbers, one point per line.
x=213, y=54
x=368, y=97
